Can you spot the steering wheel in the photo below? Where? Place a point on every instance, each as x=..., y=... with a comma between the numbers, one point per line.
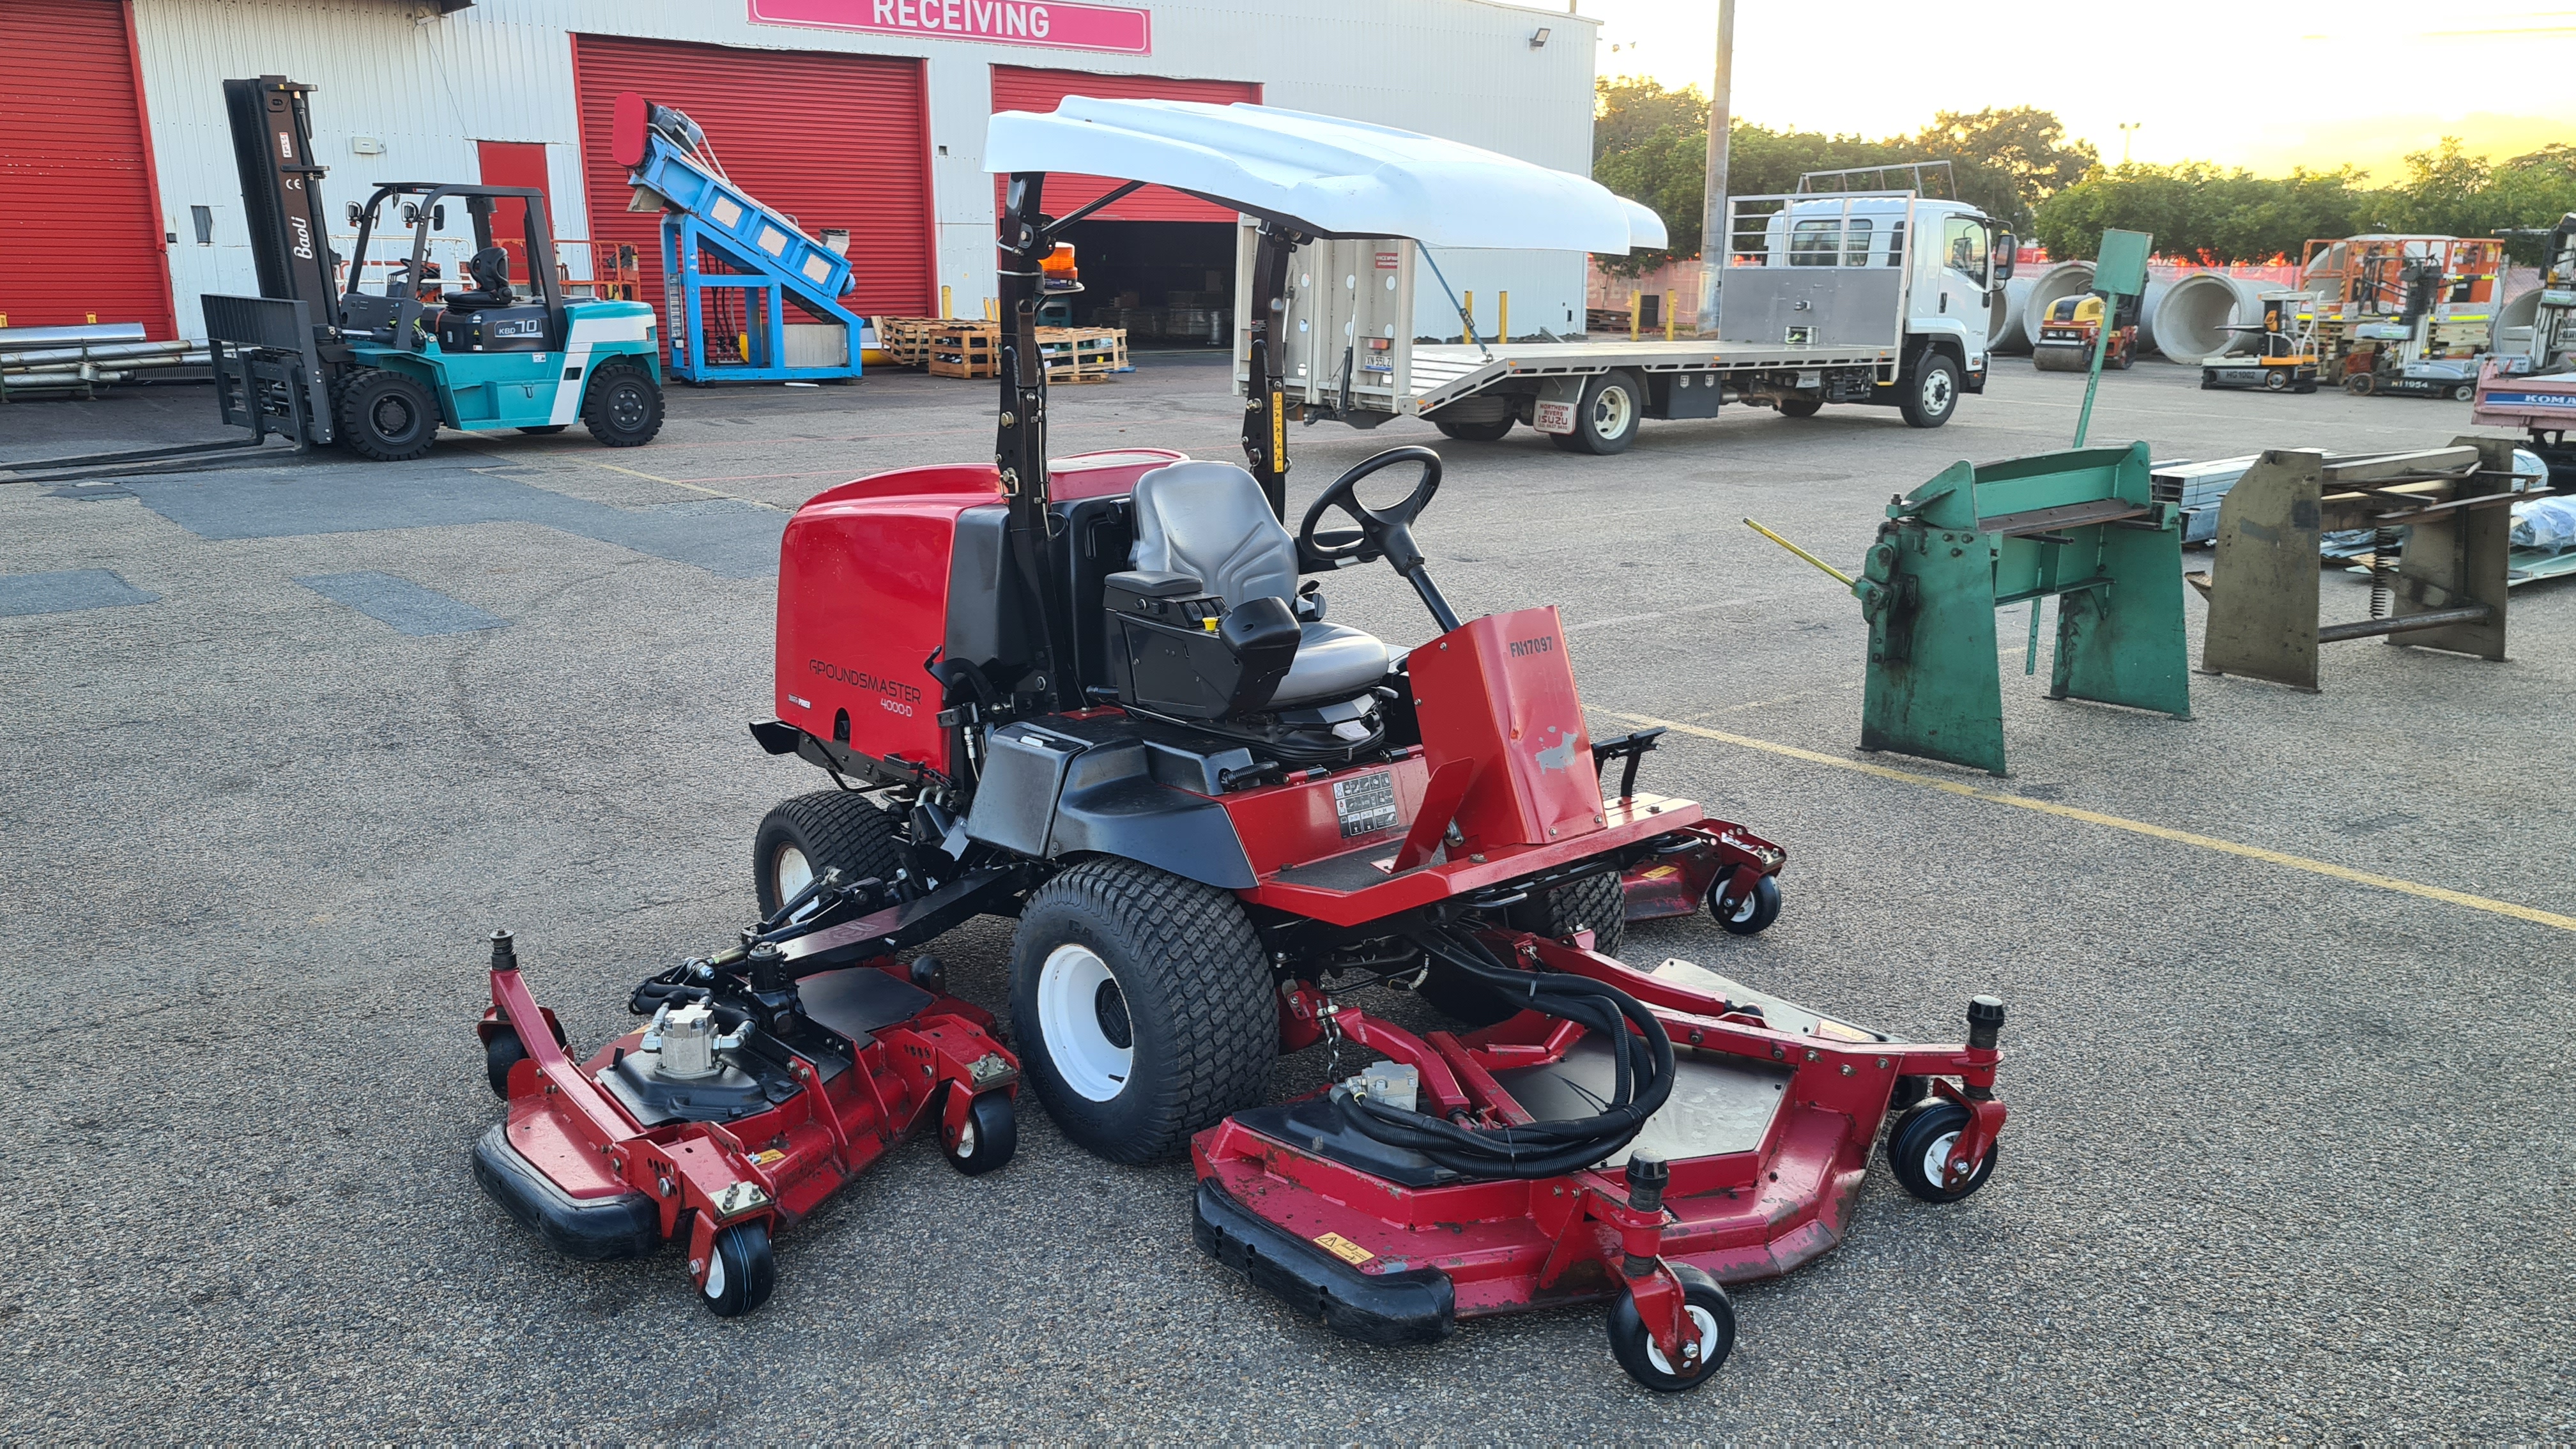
x=1385, y=533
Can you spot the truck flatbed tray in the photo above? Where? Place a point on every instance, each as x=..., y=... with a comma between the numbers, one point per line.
x=1443, y=372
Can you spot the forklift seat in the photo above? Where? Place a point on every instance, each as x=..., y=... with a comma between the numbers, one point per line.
x=490, y=271
x=1210, y=521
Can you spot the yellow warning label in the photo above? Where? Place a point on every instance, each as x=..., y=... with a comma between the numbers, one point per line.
x=1660, y=872
x=765, y=1158
x=1344, y=1249
x=1278, y=433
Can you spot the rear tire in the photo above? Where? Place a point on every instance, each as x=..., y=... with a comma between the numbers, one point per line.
x=1800, y=407
x=804, y=837
x=1605, y=421
x=1143, y=1008
x=391, y=417
x=1930, y=395
x=1476, y=432
x=624, y=406
x=1596, y=903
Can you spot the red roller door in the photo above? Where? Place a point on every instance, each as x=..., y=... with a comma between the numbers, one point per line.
x=80, y=232
x=1019, y=88
x=832, y=140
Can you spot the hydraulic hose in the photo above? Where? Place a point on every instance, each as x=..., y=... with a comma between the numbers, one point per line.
x=1642, y=1061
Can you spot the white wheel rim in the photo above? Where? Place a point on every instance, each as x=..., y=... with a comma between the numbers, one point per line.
x=1069, y=1021
x=1744, y=908
x=715, y=1272
x=1936, y=391
x=1704, y=1324
x=792, y=872
x=1610, y=412
x=1936, y=1160
x=966, y=1139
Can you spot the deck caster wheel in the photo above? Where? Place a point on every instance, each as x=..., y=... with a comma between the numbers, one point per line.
x=1743, y=910
x=990, y=1136
x=1712, y=1317
x=1921, y=1142
x=740, y=1271
x=501, y=1053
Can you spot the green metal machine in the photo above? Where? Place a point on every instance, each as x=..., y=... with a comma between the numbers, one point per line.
x=2078, y=527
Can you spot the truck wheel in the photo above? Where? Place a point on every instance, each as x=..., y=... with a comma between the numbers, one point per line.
x=1143, y=1008
x=804, y=837
x=1605, y=421
x=1800, y=407
x=391, y=417
x=1476, y=432
x=1932, y=394
x=624, y=409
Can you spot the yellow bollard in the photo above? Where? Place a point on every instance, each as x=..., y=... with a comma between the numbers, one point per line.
x=1502, y=316
x=1668, y=317
x=946, y=306
x=1467, y=315
x=1632, y=316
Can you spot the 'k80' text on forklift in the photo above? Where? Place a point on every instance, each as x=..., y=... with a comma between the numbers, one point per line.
x=381, y=373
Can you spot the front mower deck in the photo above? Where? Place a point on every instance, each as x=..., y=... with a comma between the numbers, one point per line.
x=1766, y=1136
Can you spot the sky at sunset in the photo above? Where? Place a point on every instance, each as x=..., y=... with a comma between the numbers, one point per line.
x=2320, y=85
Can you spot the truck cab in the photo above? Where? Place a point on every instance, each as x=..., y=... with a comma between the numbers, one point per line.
x=1838, y=269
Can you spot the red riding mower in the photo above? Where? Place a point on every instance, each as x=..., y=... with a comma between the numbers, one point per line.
x=1100, y=694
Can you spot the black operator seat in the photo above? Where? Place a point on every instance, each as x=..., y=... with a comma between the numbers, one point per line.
x=489, y=270
x=1209, y=520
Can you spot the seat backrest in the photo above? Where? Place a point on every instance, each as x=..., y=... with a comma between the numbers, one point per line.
x=1210, y=520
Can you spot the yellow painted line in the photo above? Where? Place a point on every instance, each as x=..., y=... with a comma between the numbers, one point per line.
x=2117, y=822
x=692, y=487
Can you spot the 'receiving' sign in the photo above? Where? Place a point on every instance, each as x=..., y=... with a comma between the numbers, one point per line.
x=1118, y=29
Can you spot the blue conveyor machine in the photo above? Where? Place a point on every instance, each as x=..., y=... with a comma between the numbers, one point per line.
x=772, y=309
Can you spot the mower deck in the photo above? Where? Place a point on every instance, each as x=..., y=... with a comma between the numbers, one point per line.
x=1766, y=1137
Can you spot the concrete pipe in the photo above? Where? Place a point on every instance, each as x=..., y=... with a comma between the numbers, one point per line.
x=2066, y=279
x=2148, y=301
x=2011, y=335
x=2513, y=323
x=2192, y=324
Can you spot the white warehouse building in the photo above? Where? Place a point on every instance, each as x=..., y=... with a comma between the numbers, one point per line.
x=124, y=201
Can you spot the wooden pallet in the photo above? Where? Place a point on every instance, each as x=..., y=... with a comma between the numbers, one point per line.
x=965, y=349
x=1083, y=354
x=905, y=341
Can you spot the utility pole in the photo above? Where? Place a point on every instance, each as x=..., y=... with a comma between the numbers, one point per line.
x=2127, y=129
x=1713, y=240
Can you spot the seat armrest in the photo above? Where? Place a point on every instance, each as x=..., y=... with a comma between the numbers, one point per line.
x=1156, y=584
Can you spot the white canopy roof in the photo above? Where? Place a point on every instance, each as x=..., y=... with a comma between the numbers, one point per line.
x=1324, y=174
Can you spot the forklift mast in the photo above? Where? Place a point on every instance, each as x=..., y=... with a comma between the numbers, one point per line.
x=290, y=236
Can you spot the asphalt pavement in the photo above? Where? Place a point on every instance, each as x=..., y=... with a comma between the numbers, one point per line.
x=279, y=744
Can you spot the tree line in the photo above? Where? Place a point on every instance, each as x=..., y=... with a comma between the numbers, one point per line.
x=2017, y=165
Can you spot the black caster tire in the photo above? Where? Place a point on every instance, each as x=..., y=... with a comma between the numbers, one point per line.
x=624, y=406
x=990, y=1137
x=1931, y=394
x=548, y=431
x=1920, y=1141
x=802, y=838
x=1491, y=432
x=501, y=1053
x=1711, y=1312
x=1800, y=407
x=388, y=416
x=1143, y=1007
x=1605, y=421
x=1907, y=1092
x=741, y=1271
x=1745, y=912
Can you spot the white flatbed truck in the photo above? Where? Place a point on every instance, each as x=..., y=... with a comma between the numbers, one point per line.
x=1829, y=297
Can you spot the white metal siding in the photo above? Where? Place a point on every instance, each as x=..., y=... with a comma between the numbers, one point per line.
x=430, y=86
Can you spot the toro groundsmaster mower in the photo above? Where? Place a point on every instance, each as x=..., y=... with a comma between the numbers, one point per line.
x=1100, y=694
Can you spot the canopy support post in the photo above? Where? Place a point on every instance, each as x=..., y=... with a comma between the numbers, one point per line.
x=1265, y=403
x=1019, y=443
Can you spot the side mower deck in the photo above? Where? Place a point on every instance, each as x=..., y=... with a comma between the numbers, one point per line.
x=1765, y=1139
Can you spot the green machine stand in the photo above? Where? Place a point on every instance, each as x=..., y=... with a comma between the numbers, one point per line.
x=2078, y=527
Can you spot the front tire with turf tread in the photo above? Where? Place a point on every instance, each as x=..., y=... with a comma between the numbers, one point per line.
x=1597, y=903
x=845, y=828
x=388, y=416
x=623, y=408
x=1196, y=988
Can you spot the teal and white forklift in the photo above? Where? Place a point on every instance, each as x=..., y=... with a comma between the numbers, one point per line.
x=379, y=372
